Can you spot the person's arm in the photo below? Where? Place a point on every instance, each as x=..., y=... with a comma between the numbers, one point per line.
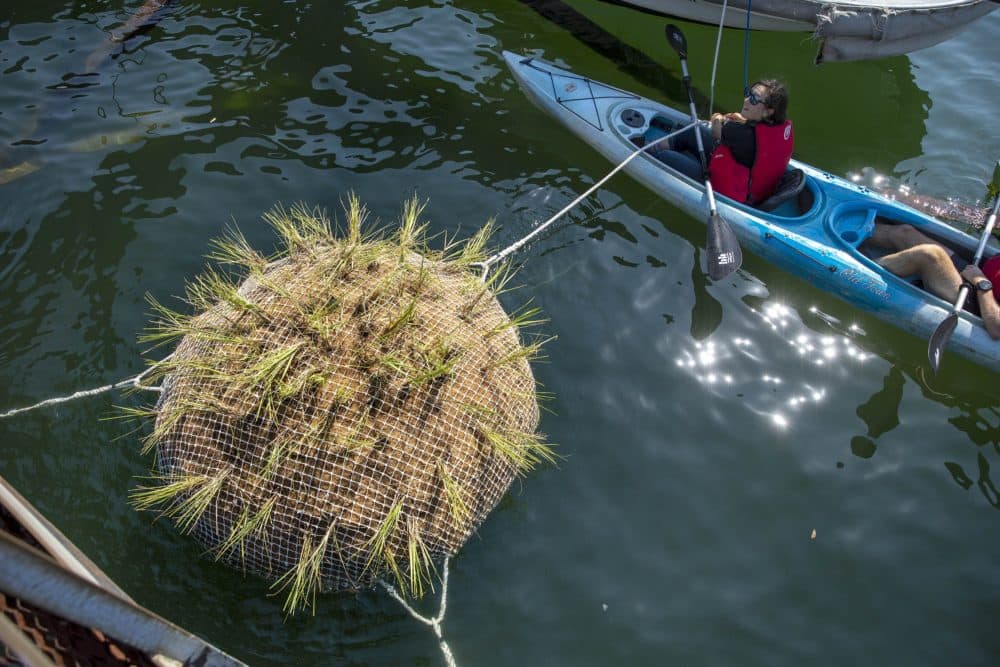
x=720, y=119
x=989, y=309
x=717, y=120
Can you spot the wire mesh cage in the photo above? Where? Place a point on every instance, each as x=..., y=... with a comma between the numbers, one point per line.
x=350, y=408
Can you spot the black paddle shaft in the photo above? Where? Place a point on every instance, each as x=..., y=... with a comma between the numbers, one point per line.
x=721, y=245
x=677, y=40
x=686, y=78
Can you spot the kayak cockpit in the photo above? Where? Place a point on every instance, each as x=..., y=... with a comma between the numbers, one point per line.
x=792, y=198
x=851, y=225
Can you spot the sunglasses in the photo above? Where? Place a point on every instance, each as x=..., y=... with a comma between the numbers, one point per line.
x=752, y=97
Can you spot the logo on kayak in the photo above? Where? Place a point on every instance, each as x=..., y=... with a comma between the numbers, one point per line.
x=569, y=87
x=866, y=283
x=726, y=258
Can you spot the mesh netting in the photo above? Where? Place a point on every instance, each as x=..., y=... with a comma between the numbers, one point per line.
x=351, y=409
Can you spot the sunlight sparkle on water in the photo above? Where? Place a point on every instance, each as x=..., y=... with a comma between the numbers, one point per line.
x=728, y=365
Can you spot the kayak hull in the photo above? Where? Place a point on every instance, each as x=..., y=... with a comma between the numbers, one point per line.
x=846, y=30
x=816, y=237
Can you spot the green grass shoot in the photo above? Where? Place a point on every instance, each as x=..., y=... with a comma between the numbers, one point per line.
x=437, y=360
x=299, y=228
x=356, y=214
x=268, y=373
x=524, y=317
x=418, y=558
x=378, y=545
x=460, y=513
x=411, y=232
x=234, y=249
x=183, y=498
x=305, y=579
x=401, y=320
x=474, y=249
x=525, y=451
x=246, y=526
x=284, y=445
x=211, y=288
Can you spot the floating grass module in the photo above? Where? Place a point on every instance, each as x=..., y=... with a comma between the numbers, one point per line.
x=347, y=410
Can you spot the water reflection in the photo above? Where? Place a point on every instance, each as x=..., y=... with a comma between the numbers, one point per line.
x=760, y=371
x=979, y=421
x=951, y=208
x=748, y=365
x=629, y=59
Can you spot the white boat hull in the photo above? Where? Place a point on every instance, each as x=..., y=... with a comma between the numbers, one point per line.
x=846, y=30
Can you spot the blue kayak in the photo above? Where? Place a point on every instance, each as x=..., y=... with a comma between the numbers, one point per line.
x=813, y=227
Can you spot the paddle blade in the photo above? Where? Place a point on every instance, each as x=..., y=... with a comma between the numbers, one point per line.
x=677, y=40
x=939, y=340
x=722, y=248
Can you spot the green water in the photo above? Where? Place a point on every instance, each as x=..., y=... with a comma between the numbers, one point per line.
x=708, y=429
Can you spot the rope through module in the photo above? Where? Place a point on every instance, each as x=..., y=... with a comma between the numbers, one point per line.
x=434, y=623
x=135, y=381
x=517, y=245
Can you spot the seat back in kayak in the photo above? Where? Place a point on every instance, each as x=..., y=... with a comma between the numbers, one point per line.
x=791, y=185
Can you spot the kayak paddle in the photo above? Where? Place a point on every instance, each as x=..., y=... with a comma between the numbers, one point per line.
x=724, y=254
x=941, y=336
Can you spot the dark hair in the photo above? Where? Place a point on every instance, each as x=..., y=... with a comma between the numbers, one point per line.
x=777, y=99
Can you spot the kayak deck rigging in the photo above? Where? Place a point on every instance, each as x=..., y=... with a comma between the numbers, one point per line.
x=583, y=106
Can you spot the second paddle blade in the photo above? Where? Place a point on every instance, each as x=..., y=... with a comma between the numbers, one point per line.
x=939, y=340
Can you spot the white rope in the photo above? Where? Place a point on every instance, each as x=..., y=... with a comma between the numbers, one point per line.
x=514, y=247
x=715, y=61
x=134, y=381
x=434, y=623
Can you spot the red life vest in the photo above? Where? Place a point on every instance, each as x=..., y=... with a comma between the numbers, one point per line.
x=752, y=185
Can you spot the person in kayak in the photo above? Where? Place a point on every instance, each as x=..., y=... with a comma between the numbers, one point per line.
x=912, y=253
x=749, y=150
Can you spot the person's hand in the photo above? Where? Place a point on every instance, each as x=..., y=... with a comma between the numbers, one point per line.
x=972, y=273
x=716, y=125
x=736, y=116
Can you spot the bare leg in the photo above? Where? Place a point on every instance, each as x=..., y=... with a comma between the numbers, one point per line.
x=919, y=255
x=932, y=263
